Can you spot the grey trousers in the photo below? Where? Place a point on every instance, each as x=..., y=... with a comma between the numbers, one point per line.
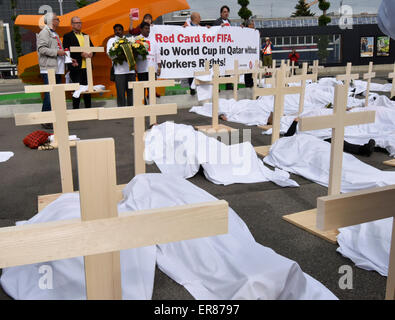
x=121, y=83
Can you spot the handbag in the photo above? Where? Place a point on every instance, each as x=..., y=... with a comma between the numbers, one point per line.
x=36, y=139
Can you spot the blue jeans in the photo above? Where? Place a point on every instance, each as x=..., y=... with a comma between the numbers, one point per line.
x=47, y=99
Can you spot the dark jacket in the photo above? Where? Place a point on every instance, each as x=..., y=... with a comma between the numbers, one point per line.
x=218, y=22
x=70, y=40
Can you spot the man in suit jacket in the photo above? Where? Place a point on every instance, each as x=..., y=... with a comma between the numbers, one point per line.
x=223, y=20
x=75, y=38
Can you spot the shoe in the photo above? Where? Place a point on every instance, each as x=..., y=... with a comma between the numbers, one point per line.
x=368, y=148
x=48, y=126
x=193, y=92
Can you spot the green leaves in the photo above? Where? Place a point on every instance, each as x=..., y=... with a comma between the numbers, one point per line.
x=302, y=10
x=82, y=3
x=244, y=12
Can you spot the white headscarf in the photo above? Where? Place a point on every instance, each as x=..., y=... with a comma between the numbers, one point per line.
x=386, y=22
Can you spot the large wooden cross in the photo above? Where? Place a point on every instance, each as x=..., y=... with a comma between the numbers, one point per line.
x=215, y=82
x=138, y=112
x=293, y=68
x=257, y=73
x=369, y=76
x=348, y=77
x=59, y=119
x=392, y=76
x=236, y=73
x=302, y=78
x=152, y=84
x=279, y=92
x=337, y=121
x=340, y=211
x=315, y=67
x=287, y=67
x=102, y=232
x=88, y=49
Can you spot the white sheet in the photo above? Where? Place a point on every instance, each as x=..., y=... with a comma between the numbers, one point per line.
x=137, y=265
x=368, y=244
x=257, y=112
x=231, y=266
x=382, y=130
x=180, y=150
x=81, y=89
x=6, y=155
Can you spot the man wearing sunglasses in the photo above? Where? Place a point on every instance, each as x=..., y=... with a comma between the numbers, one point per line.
x=78, y=74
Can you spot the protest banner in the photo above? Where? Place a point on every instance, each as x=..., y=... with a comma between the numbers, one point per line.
x=184, y=51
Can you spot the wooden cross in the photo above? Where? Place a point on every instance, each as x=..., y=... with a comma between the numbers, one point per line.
x=138, y=112
x=293, y=68
x=369, y=76
x=315, y=67
x=279, y=92
x=392, y=76
x=337, y=121
x=59, y=119
x=257, y=73
x=302, y=78
x=152, y=84
x=286, y=67
x=88, y=49
x=102, y=232
x=340, y=211
x=215, y=82
x=236, y=72
x=348, y=77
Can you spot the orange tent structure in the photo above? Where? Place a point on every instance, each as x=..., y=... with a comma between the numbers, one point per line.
x=98, y=20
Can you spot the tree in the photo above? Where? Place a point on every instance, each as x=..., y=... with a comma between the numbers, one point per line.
x=244, y=12
x=302, y=10
x=323, y=40
x=17, y=34
x=82, y=3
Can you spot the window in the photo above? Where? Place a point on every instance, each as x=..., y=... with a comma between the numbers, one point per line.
x=294, y=40
x=279, y=41
x=301, y=40
x=309, y=39
x=286, y=40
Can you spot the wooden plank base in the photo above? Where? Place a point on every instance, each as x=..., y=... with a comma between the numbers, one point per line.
x=390, y=163
x=262, y=151
x=45, y=200
x=95, y=92
x=55, y=145
x=307, y=221
x=211, y=129
x=266, y=127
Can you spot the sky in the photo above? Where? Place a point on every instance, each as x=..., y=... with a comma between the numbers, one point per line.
x=209, y=9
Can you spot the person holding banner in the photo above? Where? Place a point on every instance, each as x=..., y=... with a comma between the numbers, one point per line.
x=193, y=21
x=136, y=31
x=223, y=21
x=153, y=58
x=248, y=80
